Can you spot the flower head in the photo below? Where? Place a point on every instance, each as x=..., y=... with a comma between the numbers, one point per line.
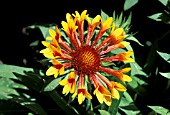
x=83, y=52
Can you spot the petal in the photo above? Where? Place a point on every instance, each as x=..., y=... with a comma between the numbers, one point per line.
x=129, y=60
x=73, y=87
x=52, y=70
x=119, y=87
x=88, y=96
x=108, y=100
x=45, y=43
x=47, y=53
x=68, y=17
x=118, y=31
x=66, y=89
x=56, y=74
x=83, y=14
x=49, y=38
x=61, y=71
x=115, y=94
x=96, y=19
x=99, y=97
x=80, y=98
x=63, y=82
x=126, y=78
x=123, y=44
x=125, y=70
x=113, y=28
x=95, y=91
x=52, y=33
x=72, y=75
x=107, y=23
x=65, y=26
x=74, y=95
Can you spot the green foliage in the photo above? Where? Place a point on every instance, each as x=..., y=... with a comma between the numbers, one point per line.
x=160, y=110
x=129, y=4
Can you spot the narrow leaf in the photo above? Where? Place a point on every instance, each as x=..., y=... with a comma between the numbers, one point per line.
x=156, y=17
x=167, y=75
x=165, y=56
x=103, y=112
x=134, y=39
x=52, y=85
x=161, y=110
x=164, y=2
x=9, y=70
x=129, y=3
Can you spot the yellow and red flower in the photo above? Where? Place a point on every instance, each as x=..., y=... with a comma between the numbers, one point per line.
x=83, y=53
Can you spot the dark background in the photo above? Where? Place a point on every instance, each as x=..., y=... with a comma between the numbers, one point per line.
x=16, y=16
x=15, y=40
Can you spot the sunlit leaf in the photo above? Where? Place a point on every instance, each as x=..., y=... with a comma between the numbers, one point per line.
x=134, y=39
x=129, y=3
x=113, y=109
x=156, y=17
x=164, y=2
x=52, y=85
x=35, y=43
x=8, y=88
x=104, y=16
x=9, y=70
x=165, y=56
x=161, y=16
x=167, y=75
x=104, y=112
x=161, y=110
x=130, y=110
x=137, y=70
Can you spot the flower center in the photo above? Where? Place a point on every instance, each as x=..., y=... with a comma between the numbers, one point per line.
x=86, y=60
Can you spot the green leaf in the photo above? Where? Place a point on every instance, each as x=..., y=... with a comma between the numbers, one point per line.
x=161, y=110
x=165, y=56
x=118, y=50
x=130, y=110
x=113, y=109
x=137, y=70
x=129, y=3
x=164, y=2
x=35, y=43
x=134, y=39
x=9, y=70
x=28, y=102
x=156, y=17
x=43, y=29
x=167, y=75
x=8, y=88
x=52, y=85
x=104, y=16
x=104, y=112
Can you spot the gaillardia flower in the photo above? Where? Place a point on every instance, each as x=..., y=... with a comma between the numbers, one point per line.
x=79, y=55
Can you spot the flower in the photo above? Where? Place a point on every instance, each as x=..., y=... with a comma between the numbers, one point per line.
x=83, y=52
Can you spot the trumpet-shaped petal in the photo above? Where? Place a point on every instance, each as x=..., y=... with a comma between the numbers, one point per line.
x=69, y=84
x=106, y=24
x=103, y=95
x=56, y=69
x=115, y=88
x=123, y=56
x=82, y=93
